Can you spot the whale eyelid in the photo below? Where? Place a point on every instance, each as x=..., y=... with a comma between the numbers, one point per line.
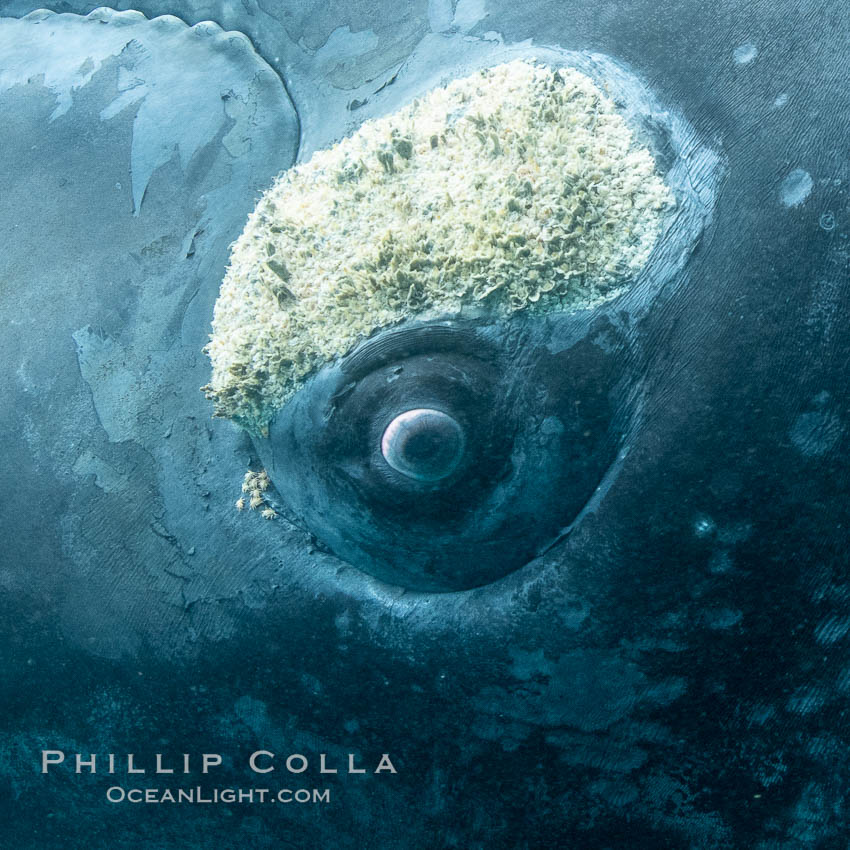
x=401, y=343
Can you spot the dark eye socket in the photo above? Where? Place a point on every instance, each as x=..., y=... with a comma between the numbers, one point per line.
x=443, y=457
x=420, y=433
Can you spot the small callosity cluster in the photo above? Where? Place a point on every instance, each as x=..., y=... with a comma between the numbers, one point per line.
x=254, y=487
x=520, y=187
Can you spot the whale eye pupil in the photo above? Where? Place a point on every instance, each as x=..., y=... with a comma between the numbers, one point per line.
x=423, y=444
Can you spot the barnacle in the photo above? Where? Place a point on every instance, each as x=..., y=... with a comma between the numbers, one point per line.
x=254, y=486
x=517, y=188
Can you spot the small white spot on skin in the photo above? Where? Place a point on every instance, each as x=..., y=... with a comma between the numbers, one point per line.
x=745, y=53
x=781, y=100
x=796, y=187
x=704, y=526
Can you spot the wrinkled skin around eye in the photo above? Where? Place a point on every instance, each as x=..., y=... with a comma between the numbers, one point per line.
x=531, y=433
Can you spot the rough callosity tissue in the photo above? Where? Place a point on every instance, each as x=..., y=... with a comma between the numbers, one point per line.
x=519, y=187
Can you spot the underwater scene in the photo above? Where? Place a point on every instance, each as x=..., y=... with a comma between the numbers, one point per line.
x=424, y=425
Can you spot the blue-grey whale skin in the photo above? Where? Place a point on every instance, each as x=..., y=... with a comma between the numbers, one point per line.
x=671, y=673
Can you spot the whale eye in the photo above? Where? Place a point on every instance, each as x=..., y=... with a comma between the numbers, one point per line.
x=427, y=328
x=413, y=429
x=423, y=444
x=443, y=457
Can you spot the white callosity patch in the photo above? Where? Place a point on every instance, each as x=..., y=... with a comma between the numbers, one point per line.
x=72, y=50
x=520, y=187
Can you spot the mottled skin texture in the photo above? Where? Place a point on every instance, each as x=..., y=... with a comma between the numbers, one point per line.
x=673, y=674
